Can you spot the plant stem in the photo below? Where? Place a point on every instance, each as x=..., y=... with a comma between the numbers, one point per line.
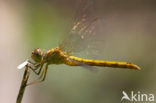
x=23, y=85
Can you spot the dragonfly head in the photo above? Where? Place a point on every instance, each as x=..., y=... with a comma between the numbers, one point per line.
x=36, y=55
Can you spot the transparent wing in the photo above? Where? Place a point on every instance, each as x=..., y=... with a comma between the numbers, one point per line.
x=85, y=34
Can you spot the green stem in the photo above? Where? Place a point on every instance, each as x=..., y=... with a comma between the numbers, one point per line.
x=23, y=85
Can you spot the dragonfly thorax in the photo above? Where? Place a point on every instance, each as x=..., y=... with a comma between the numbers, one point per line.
x=55, y=56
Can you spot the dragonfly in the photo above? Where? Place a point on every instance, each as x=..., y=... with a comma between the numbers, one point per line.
x=84, y=26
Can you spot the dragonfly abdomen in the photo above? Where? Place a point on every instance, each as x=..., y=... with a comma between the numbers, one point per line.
x=103, y=63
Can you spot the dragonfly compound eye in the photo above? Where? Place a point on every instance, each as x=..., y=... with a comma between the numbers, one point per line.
x=36, y=55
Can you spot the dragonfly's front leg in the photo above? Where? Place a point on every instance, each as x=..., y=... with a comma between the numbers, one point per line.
x=42, y=77
x=37, y=66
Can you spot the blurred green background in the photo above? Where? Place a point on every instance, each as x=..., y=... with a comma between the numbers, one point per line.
x=128, y=34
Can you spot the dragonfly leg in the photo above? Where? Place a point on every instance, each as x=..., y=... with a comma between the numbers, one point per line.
x=41, y=66
x=42, y=77
x=31, y=62
x=34, y=69
x=44, y=73
x=38, y=66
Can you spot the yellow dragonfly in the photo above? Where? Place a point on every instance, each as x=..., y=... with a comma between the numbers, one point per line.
x=84, y=26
